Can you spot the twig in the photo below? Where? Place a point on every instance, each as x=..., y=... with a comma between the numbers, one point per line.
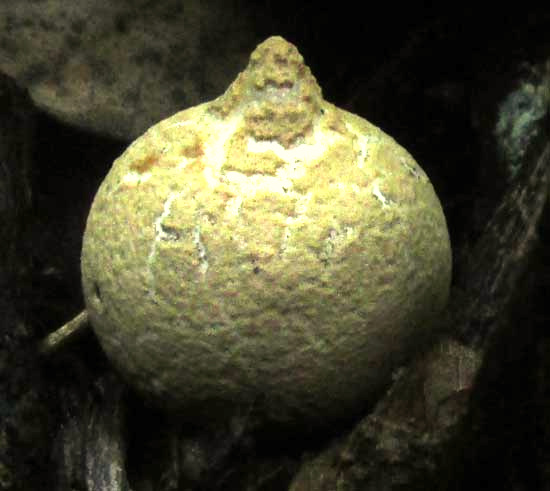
x=67, y=332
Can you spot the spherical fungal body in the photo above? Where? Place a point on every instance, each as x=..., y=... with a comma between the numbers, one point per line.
x=265, y=248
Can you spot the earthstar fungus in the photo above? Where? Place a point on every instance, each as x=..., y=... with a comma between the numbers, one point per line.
x=265, y=247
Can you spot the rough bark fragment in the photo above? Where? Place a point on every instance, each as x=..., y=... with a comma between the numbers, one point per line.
x=89, y=447
x=497, y=260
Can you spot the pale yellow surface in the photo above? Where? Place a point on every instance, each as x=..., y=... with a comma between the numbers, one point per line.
x=265, y=247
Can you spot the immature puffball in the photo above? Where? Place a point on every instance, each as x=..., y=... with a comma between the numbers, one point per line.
x=264, y=248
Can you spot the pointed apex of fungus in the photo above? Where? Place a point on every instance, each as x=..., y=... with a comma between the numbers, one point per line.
x=277, y=64
x=277, y=95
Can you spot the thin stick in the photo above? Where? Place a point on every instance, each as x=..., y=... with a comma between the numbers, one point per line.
x=67, y=332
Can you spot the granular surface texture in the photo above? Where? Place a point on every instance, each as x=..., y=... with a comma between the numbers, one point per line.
x=265, y=248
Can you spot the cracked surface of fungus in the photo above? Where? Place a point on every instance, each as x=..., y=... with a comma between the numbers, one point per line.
x=265, y=247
